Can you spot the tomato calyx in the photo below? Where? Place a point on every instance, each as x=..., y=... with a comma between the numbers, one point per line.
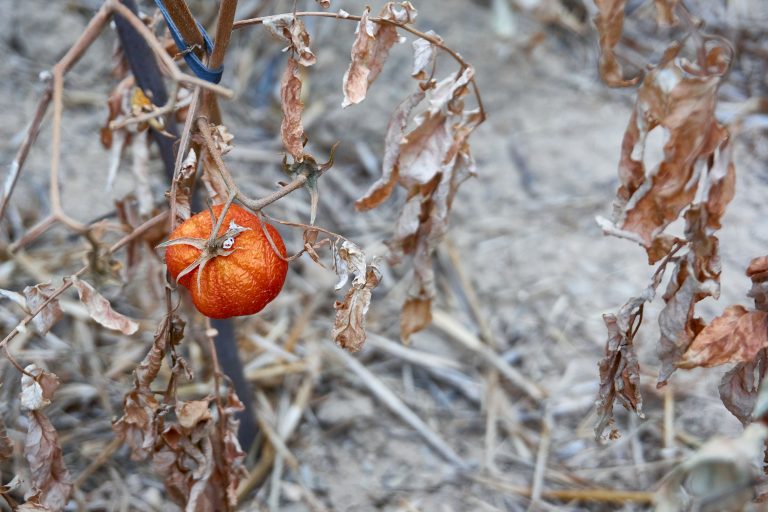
x=212, y=247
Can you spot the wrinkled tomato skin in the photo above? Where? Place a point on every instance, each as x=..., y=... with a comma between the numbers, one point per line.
x=235, y=285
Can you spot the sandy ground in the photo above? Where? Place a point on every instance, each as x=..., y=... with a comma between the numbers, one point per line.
x=526, y=238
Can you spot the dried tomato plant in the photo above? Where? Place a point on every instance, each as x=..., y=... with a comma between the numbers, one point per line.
x=693, y=184
x=193, y=443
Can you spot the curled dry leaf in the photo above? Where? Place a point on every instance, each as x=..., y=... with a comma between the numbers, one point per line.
x=349, y=325
x=739, y=386
x=290, y=29
x=37, y=390
x=679, y=99
x=619, y=368
x=424, y=55
x=381, y=189
x=50, y=314
x=736, y=336
x=49, y=475
x=202, y=464
x=371, y=48
x=291, y=130
x=719, y=476
x=138, y=426
x=430, y=162
x=101, y=310
x=325, y=4
x=610, y=23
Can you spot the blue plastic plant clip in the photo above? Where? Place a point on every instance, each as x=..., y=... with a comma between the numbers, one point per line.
x=193, y=61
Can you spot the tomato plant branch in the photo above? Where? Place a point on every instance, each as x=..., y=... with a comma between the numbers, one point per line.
x=408, y=28
x=252, y=204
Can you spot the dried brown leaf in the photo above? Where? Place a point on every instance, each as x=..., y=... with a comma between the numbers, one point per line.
x=381, y=190
x=138, y=425
x=193, y=412
x=50, y=314
x=424, y=55
x=48, y=473
x=740, y=385
x=349, y=325
x=415, y=316
x=736, y=336
x=290, y=29
x=101, y=310
x=610, y=23
x=37, y=390
x=681, y=101
x=371, y=49
x=291, y=131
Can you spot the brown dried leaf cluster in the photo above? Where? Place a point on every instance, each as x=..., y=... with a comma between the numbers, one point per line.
x=50, y=478
x=694, y=180
x=201, y=471
x=430, y=161
x=195, y=451
x=371, y=48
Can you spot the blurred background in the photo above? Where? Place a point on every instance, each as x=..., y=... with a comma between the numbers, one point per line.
x=523, y=276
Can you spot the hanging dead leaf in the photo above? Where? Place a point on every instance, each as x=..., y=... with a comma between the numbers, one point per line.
x=424, y=55
x=736, y=336
x=610, y=24
x=371, y=49
x=415, y=316
x=101, y=310
x=681, y=101
x=290, y=29
x=619, y=368
x=50, y=314
x=291, y=131
x=49, y=474
x=739, y=387
x=381, y=190
x=349, y=325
